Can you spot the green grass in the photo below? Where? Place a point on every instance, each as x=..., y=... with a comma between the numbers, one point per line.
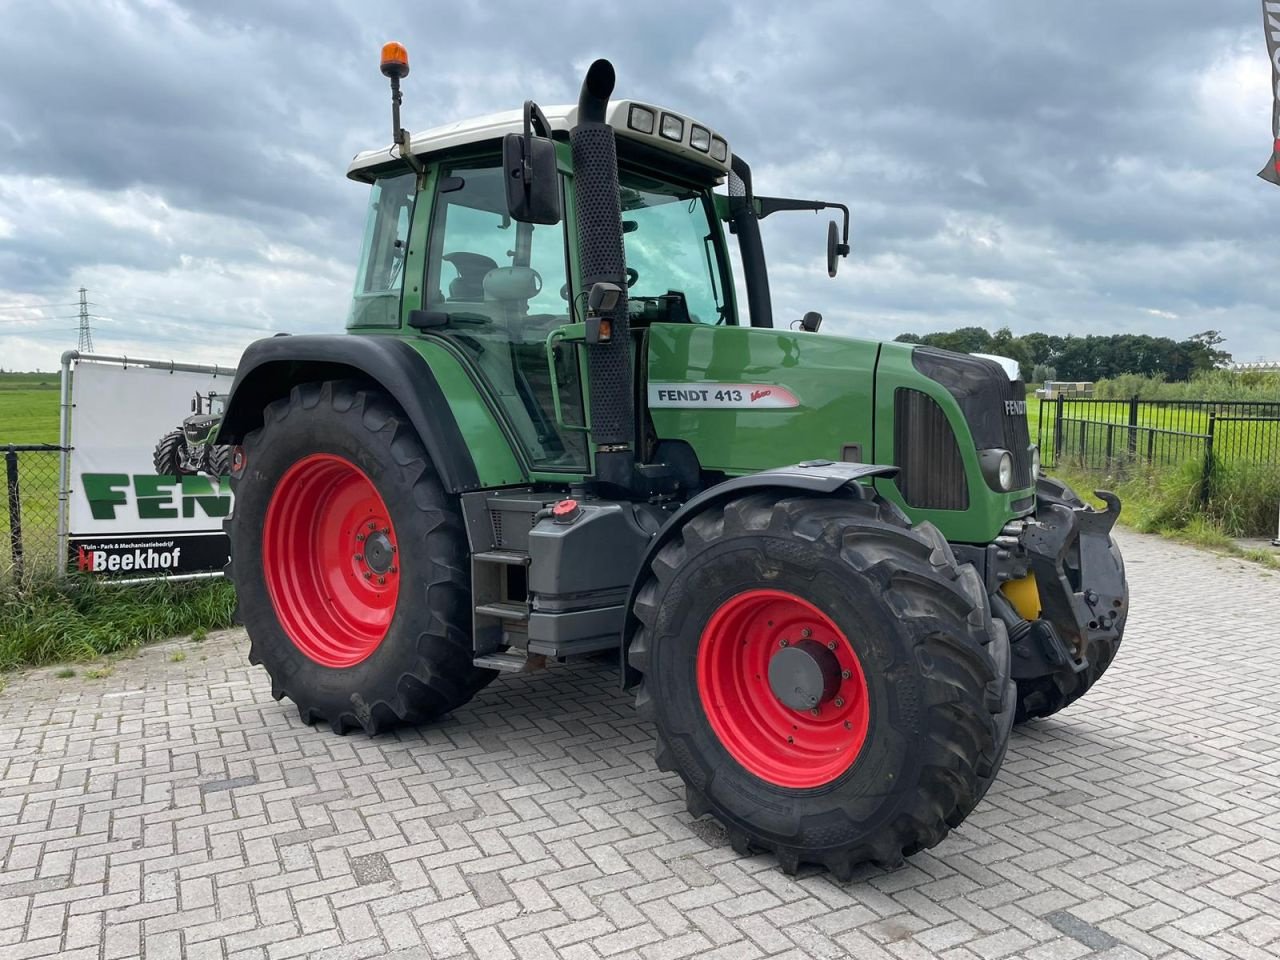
x=28, y=408
x=1242, y=502
x=79, y=619
x=29, y=414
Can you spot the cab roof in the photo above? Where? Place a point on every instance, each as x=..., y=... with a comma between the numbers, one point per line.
x=562, y=118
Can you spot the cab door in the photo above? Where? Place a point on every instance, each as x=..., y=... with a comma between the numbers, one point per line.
x=496, y=289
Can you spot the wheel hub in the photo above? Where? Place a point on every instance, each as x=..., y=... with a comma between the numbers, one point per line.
x=805, y=675
x=329, y=560
x=379, y=552
x=782, y=688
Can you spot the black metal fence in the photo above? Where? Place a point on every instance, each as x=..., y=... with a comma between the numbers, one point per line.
x=1118, y=435
x=29, y=520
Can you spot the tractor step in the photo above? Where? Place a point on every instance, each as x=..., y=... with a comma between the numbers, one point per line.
x=511, y=662
x=504, y=610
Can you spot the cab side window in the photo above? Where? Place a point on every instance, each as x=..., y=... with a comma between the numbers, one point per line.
x=500, y=288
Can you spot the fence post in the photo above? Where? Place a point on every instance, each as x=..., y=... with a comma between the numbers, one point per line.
x=1057, y=431
x=1111, y=436
x=15, y=510
x=1206, y=476
x=1084, y=447
x=1133, y=427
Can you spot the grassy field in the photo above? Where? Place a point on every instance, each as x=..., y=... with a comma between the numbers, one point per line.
x=28, y=408
x=29, y=414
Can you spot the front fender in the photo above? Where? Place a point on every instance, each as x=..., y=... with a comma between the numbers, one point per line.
x=818, y=477
x=271, y=368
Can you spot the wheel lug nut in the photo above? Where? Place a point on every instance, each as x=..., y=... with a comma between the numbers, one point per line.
x=359, y=557
x=791, y=739
x=393, y=548
x=386, y=529
x=831, y=644
x=372, y=525
x=382, y=580
x=839, y=701
x=783, y=642
x=806, y=633
x=368, y=574
x=394, y=569
x=845, y=674
x=815, y=711
x=360, y=537
x=848, y=725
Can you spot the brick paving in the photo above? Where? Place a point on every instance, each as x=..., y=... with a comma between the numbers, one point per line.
x=173, y=810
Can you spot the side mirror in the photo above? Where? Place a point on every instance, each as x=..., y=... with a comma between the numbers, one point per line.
x=533, y=182
x=812, y=320
x=833, y=248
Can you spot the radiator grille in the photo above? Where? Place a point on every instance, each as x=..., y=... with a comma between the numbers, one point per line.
x=927, y=454
x=988, y=399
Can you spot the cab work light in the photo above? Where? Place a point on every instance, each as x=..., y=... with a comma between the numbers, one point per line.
x=700, y=138
x=672, y=127
x=719, y=150
x=641, y=119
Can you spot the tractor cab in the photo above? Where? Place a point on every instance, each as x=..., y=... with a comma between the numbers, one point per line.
x=442, y=251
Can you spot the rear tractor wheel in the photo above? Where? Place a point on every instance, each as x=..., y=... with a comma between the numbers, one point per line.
x=826, y=679
x=349, y=561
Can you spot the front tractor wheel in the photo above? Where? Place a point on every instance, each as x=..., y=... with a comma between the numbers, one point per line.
x=167, y=456
x=349, y=563
x=826, y=679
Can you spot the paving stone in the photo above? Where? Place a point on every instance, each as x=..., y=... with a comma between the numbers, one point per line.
x=177, y=809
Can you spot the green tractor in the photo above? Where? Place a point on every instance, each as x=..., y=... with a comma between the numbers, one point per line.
x=192, y=448
x=830, y=566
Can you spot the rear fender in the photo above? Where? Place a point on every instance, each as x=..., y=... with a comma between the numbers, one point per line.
x=270, y=369
x=814, y=477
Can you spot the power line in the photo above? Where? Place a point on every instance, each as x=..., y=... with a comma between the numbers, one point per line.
x=39, y=306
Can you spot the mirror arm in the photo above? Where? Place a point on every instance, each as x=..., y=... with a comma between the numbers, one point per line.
x=535, y=121
x=768, y=205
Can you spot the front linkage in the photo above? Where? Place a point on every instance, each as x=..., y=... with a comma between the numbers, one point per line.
x=1083, y=597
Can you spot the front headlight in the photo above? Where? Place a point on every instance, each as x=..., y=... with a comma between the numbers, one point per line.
x=1035, y=462
x=997, y=469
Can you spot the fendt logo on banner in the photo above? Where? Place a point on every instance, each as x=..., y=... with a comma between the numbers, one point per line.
x=148, y=488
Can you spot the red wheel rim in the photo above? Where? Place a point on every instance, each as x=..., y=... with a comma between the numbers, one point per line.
x=778, y=743
x=330, y=560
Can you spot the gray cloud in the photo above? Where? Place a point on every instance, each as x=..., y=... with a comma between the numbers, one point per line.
x=1084, y=168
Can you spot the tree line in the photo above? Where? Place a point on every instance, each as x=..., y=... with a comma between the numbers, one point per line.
x=1043, y=356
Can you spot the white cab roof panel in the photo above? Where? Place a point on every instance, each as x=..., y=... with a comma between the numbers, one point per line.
x=494, y=126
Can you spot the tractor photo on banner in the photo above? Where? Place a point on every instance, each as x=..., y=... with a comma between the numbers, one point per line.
x=147, y=487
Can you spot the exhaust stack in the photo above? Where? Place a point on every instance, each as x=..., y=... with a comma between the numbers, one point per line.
x=600, y=252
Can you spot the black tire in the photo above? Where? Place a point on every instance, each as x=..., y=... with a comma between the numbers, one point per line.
x=1040, y=697
x=219, y=461
x=422, y=668
x=937, y=674
x=167, y=455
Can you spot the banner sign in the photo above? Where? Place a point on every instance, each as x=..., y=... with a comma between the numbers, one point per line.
x=148, y=491
x=1271, y=24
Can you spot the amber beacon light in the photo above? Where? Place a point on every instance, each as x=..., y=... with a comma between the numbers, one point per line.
x=395, y=60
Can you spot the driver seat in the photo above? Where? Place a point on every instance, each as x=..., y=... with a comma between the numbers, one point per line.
x=468, y=285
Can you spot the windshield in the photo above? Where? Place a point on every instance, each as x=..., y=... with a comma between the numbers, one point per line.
x=669, y=238
x=380, y=277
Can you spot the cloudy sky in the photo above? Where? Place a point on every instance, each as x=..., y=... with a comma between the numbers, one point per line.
x=1077, y=168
